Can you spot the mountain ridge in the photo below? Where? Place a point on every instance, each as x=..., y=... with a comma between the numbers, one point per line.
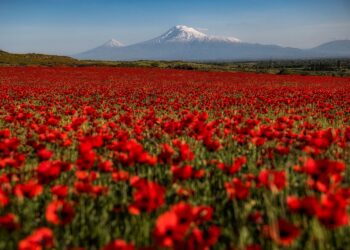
x=188, y=44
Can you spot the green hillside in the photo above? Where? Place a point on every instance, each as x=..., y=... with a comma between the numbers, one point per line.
x=32, y=59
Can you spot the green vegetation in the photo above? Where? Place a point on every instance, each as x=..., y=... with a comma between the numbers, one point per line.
x=10, y=59
x=333, y=67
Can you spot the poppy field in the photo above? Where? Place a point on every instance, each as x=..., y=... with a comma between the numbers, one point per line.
x=147, y=158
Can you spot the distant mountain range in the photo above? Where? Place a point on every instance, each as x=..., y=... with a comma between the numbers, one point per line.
x=188, y=44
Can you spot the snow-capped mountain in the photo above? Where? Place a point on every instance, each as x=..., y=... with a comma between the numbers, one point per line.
x=101, y=52
x=180, y=33
x=112, y=44
x=185, y=34
x=185, y=43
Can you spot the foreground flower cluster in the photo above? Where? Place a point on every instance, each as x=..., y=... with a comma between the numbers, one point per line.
x=119, y=158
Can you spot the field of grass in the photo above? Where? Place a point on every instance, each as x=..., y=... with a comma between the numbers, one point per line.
x=146, y=158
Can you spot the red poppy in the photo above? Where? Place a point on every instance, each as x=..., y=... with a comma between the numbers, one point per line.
x=272, y=179
x=186, y=172
x=49, y=171
x=323, y=174
x=182, y=173
x=238, y=189
x=259, y=141
x=4, y=199
x=59, y=212
x=105, y=166
x=211, y=144
x=235, y=167
x=308, y=205
x=178, y=228
x=147, y=197
x=9, y=222
x=168, y=230
x=45, y=154
x=211, y=236
x=118, y=245
x=41, y=238
x=283, y=232
x=30, y=189
x=184, y=213
x=166, y=153
x=61, y=191
x=185, y=153
x=332, y=211
x=120, y=175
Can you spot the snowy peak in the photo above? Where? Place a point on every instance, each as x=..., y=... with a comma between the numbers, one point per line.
x=112, y=44
x=182, y=33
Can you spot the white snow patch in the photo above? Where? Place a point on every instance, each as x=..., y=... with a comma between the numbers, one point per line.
x=182, y=33
x=112, y=44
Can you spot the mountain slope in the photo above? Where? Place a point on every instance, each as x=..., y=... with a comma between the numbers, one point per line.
x=338, y=48
x=35, y=59
x=185, y=34
x=188, y=44
x=101, y=52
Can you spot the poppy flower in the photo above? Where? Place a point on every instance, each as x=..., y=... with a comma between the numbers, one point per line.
x=258, y=141
x=166, y=153
x=323, y=174
x=105, y=166
x=83, y=187
x=182, y=173
x=211, y=144
x=234, y=167
x=184, y=213
x=147, y=197
x=30, y=189
x=120, y=175
x=59, y=212
x=332, y=211
x=118, y=245
x=272, y=179
x=168, y=230
x=178, y=228
x=198, y=239
x=185, y=153
x=308, y=205
x=49, y=171
x=9, y=222
x=44, y=154
x=4, y=199
x=86, y=176
x=41, y=238
x=211, y=236
x=238, y=189
x=61, y=191
x=283, y=232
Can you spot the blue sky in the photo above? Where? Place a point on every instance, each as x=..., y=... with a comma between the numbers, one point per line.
x=72, y=26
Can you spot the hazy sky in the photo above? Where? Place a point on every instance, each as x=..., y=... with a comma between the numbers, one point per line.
x=72, y=26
